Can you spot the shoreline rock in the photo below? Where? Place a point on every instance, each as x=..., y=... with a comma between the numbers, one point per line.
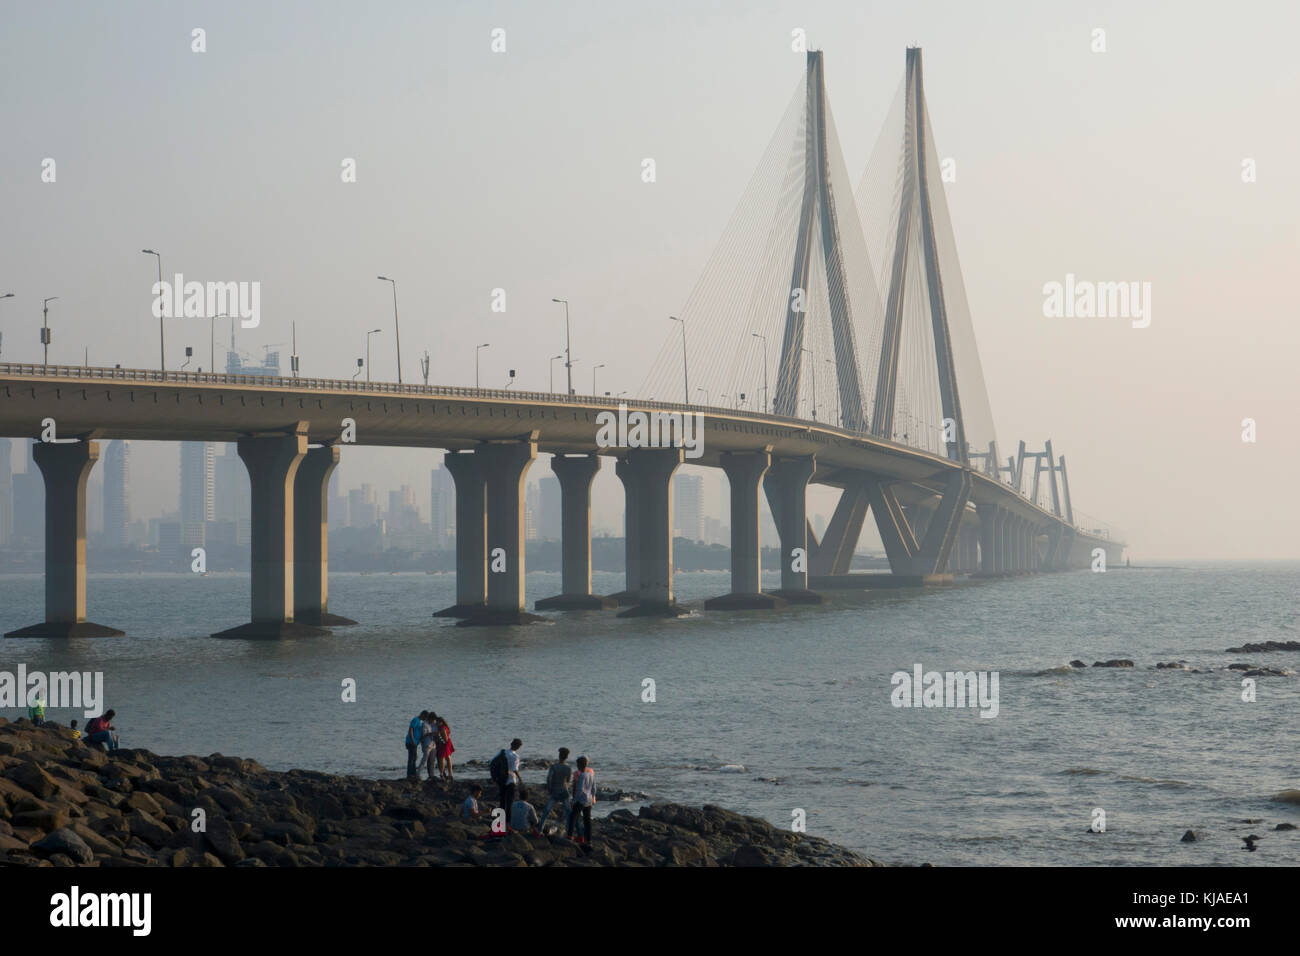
x=65, y=804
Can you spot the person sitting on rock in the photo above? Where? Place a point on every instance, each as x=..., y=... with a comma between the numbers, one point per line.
x=100, y=730
x=469, y=809
x=523, y=815
x=75, y=732
x=584, y=798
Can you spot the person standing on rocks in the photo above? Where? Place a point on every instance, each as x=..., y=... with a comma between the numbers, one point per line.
x=584, y=798
x=427, y=726
x=413, y=734
x=557, y=788
x=504, y=769
x=443, y=748
x=100, y=730
x=36, y=710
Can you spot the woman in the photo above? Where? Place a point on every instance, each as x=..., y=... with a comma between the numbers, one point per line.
x=443, y=748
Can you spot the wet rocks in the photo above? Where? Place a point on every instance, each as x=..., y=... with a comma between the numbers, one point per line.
x=1077, y=663
x=1114, y=662
x=1265, y=647
x=64, y=804
x=1188, y=837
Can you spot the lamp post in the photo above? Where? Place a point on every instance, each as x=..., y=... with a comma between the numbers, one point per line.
x=478, y=349
x=397, y=329
x=7, y=295
x=764, y=338
x=593, y=377
x=368, y=334
x=45, y=330
x=686, y=381
x=568, y=353
x=360, y=362
x=813, y=359
x=552, y=364
x=212, y=339
x=707, y=403
x=162, y=351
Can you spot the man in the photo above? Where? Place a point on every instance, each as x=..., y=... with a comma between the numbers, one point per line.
x=557, y=788
x=100, y=730
x=523, y=815
x=584, y=798
x=36, y=710
x=413, y=734
x=507, y=762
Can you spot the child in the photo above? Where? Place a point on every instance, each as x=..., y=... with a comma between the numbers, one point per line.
x=75, y=732
x=469, y=809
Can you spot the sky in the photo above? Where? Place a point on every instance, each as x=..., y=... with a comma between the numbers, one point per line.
x=521, y=170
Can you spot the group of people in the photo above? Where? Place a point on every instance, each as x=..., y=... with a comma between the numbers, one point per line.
x=99, y=730
x=571, y=789
x=430, y=736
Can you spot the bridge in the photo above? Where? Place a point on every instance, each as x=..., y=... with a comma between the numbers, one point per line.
x=910, y=441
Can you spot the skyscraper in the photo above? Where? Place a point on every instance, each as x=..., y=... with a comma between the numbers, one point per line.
x=197, y=492
x=362, y=512
x=688, y=507
x=231, y=501
x=117, y=508
x=442, y=507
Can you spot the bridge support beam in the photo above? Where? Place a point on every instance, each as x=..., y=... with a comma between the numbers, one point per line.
x=466, y=470
x=65, y=468
x=745, y=477
x=833, y=555
x=631, y=592
x=272, y=463
x=575, y=475
x=311, y=538
x=503, y=467
x=786, y=487
x=650, y=470
x=929, y=557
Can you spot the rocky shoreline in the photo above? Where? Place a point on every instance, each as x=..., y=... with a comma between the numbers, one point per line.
x=65, y=804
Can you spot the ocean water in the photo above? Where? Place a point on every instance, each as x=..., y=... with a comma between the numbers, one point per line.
x=766, y=712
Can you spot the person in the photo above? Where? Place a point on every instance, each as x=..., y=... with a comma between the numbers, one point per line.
x=523, y=815
x=36, y=710
x=469, y=809
x=557, y=789
x=426, y=743
x=100, y=730
x=75, y=732
x=443, y=748
x=413, y=742
x=505, y=774
x=584, y=798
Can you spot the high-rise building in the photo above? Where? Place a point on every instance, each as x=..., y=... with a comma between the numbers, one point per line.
x=198, y=486
x=548, y=516
x=442, y=507
x=530, y=513
x=688, y=507
x=6, y=491
x=403, y=515
x=117, y=508
x=362, y=512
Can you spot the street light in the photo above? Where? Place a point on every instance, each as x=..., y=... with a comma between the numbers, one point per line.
x=7, y=295
x=368, y=334
x=814, y=381
x=478, y=349
x=764, y=338
x=360, y=362
x=593, y=377
x=212, y=338
x=686, y=381
x=568, y=352
x=707, y=403
x=396, y=328
x=45, y=331
x=162, y=352
x=552, y=363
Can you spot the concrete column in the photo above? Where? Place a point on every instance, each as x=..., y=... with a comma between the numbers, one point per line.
x=466, y=470
x=745, y=476
x=575, y=475
x=272, y=464
x=988, y=515
x=1003, y=552
x=65, y=468
x=652, y=474
x=631, y=592
x=311, y=538
x=504, y=467
x=786, y=486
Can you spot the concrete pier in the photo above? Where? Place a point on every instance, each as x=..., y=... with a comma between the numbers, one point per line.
x=272, y=463
x=631, y=592
x=471, y=534
x=575, y=474
x=651, y=473
x=311, y=538
x=745, y=477
x=786, y=487
x=65, y=468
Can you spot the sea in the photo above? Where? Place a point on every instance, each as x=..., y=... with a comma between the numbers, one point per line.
x=791, y=715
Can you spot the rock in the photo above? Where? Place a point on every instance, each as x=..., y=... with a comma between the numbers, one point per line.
x=221, y=840
x=1285, y=826
x=145, y=803
x=1114, y=662
x=46, y=820
x=33, y=779
x=1265, y=647
x=148, y=829
x=1189, y=837
x=63, y=840
x=1286, y=796
x=1077, y=663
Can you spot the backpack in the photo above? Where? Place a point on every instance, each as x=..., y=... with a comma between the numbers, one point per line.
x=499, y=769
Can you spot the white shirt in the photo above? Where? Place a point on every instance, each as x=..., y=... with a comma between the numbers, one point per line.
x=512, y=765
x=584, y=787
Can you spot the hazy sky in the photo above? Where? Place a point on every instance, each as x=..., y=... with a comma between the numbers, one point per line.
x=521, y=170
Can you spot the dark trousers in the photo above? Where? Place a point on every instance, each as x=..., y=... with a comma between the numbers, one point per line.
x=410, y=760
x=585, y=810
x=506, y=795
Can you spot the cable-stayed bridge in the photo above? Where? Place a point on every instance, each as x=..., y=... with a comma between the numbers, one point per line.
x=830, y=324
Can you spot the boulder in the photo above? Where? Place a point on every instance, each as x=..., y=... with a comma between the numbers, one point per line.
x=65, y=841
